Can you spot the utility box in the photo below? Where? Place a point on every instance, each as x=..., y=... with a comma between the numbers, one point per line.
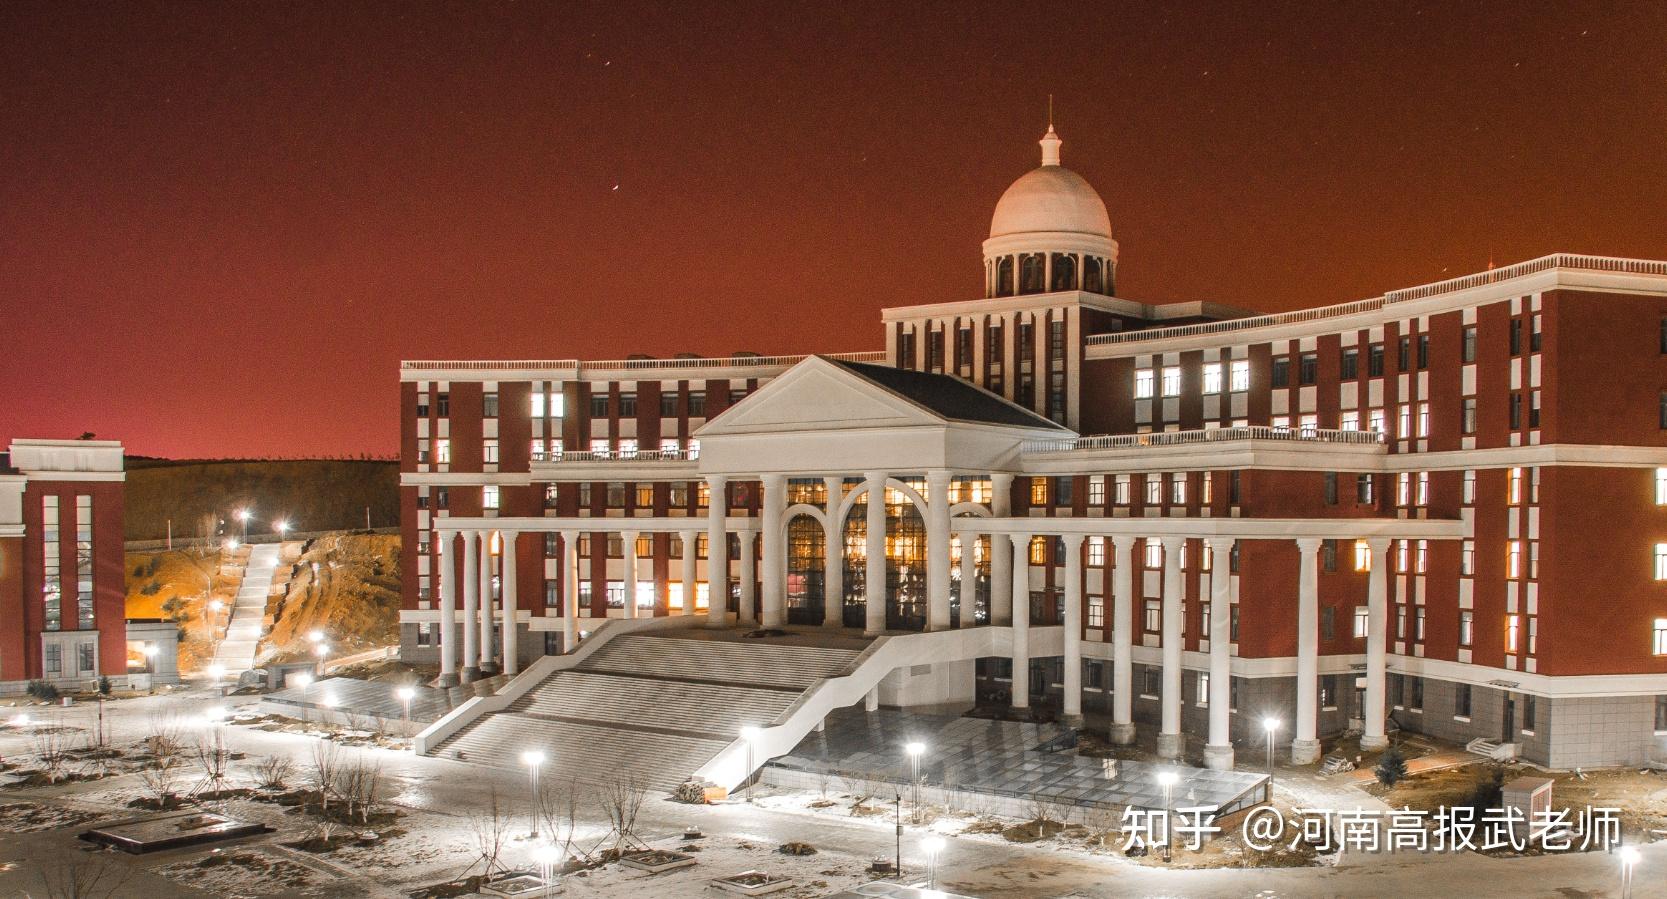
x=1529, y=795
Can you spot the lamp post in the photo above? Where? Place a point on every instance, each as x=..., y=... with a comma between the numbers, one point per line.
x=282, y=527
x=216, y=672
x=933, y=845
x=548, y=857
x=243, y=516
x=748, y=735
x=914, y=749
x=306, y=681
x=1167, y=779
x=532, y=758
x=406, y=694
x=321, y=650
x=1629, y=860
x=1271, y=725
x=329, y=702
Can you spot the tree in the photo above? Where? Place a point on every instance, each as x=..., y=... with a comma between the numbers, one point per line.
x=82, y=878
x=621, y=799
x=491, y=827
x=1392, y=767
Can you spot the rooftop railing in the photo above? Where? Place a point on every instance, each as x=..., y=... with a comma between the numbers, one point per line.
x=1451, y=285
x=679, y=362
x=620, y=455
x=1192, y=438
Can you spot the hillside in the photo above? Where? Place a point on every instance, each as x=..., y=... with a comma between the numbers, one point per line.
x=312, y=494
x=177, y=586
x=352, y=596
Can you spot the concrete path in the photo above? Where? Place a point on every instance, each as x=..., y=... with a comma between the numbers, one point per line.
x=243, y=632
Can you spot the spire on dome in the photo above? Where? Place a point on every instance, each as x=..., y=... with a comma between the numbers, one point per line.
x=1050, y=147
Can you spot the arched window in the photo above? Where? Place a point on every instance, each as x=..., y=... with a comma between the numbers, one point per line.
x=1004, y=276
x=1031, y=273
x=1091, y=280
x=1064, y=272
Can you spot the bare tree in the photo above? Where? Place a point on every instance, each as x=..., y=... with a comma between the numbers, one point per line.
x=51, y=746
x=274, y=771
x=360, y=786
x=1037, y=808
x=76, y=876
x=162, y=775
x=212, y=756
x=558, y=812
x=621, y=800
x=491, y=829
x=324, y=769
x=1103, y=821
x=167, y=733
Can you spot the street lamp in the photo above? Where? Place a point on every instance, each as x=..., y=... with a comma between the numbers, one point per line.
x=1629, y=860
x=243, y=516
x=217, y=671
x=406, y=694
x=548, y=857
x=748, y=735
x=1271, y=725
x=306, y=682
x=933, y=845
x=532, y=758
x=321, y=650
x=281, y=526
x=1167, y=779
x=914, y=749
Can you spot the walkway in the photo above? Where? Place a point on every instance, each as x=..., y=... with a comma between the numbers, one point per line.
x=243, y=632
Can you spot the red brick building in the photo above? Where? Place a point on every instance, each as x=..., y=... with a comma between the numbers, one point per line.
x=1443, y=508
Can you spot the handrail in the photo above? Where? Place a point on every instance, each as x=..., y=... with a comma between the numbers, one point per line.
x=738, y=361
x=1451, y=285
x=646, y=455
x=1213, y=435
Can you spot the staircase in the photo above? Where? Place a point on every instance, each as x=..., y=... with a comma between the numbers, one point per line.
x=243, y=631
x=653, y=707
x=1501, y=752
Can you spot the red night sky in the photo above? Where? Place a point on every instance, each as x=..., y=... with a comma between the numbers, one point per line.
x=222, y=225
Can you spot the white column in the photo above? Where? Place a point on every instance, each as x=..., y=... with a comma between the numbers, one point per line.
x=833, y=566
x=511, y=599
x=1122, y=640
x=1171, y=744
x=874, y=578
x=1021, y=620
x=717, y=551
x=1001, y=561
x=937, y=550
x=570, y=590
x=1072, y=681
x=969, y=578
x=1377, y=615
x=448, y=608
x=1218, y=750
x=748, y=606
x=1305, y=748
x=691, y=585
x=488, y=659
x=629, y=546
x=471, y=606
x=775, y=550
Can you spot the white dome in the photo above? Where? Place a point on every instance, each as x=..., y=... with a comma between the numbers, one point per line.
x=1050, y=199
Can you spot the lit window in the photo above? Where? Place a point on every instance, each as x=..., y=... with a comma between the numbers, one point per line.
x=599, y=446
x=1212, y=377
x=489, y=452
x=1097, y=490
x=1208, y=494
x=1514, y=488
x=1362, y=619
x=1096, y=551
x=1513, y=559
x=1038, y=550
x=1154, y=490
x=1423, y=556
x=1401, y=555
x=1143, y=384
x=1661, y=486
x=628, y=449
x=1310, y=424
x=1467, y=627
x=489, y=497
x=1423, y=488
x=1096, y=611
x=1374, y=420
x=538, y=404
x=1202, y=700
x=556, y=405
x=1403, y=489
x=1423, y=419
x=694, y=449
x=1178, y=489
x=1469, y=487
x=1172, y=381
x=1659, y=643
x=1038, y=491
x=645, y=594
x=1661, y=561
x=668, y=448
x=1122, y=495
x=1513, y=624
x=1362, y=556
x=1154, y=552
x=1153, y=615
x=1351, y=421
x=442, y=451
x=1240, y=374
x=1406, y=423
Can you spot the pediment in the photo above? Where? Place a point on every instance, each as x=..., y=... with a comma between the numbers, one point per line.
x=817, y=395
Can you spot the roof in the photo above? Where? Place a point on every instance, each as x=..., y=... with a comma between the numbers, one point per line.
x=951, y=398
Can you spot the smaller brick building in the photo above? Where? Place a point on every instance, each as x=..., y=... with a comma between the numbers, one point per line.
x=62, y=590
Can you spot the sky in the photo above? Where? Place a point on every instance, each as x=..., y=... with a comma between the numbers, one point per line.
x=222, y=225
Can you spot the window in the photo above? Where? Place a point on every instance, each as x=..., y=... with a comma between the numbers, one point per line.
x=1152, y=616
x=1330, y=488
x=1664, y=337
x=1661, y=561
x=1240, y=373
x=1328, y=555
x=1513, y=559
x=1416, y=700
x=1154, y=490
x=1308, y=368
x=1658, y=645
x=442, y=404
x=1528, y=714
x=627, y=405
x=1467, y=419
x=1121, y=497
x=1202, y=699
x=1660, y=714
x=1513, y=488
x=1374, y=420
x=1233, y=616
x=1423, y=419
x=1513, y=626
x=1533, y=408
x=1423, y=488
x=1403, y=355
x=1350, y=367
x=1096, y=552
x=1405, y=429
x=645, y=496
x=536, y=400
x=1178, y=489
x=54, y=656
x=628, y=449
x=442, y=451
x=1467, y=628
x=1038, y=491
x=1423, y=351
x=422, y=404
x=1282, y=372
x=668, y=404
x=1208, y=493
x=1309, y=424
x=1516, y=411
x=1374, y=360
x=1350, y=420
x=489, y=452
x=599, y=409
x=489, y=497
x=1422, y=559
x=1212, y=377
x=1362, y=620
x=1172, y=381
x=1461, y=701
x=1154, y=552
x=1469, y=487
x=1038, y=551
x=1096, y=611
x=1143, y=384
x=1097, y=490
x=1467, y=346
x=1661, y=412
x=489, y=405
x=1362, y=556
x=1153, y=684
x=1534, y=334
x=1328, y=623
x=1328, y=691
x=1516, y=336
x=1418, y=626
x=1363, y=489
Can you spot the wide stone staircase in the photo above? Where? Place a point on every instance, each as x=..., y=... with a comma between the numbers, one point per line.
x=653, y=708
x=248, y=615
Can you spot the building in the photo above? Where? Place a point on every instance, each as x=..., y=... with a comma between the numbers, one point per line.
x=1443, y=509
x=63, y=591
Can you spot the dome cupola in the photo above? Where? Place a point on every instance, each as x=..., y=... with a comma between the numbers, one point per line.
x=1050, y=232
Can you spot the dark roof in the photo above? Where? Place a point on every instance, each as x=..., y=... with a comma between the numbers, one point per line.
x=949, y=397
